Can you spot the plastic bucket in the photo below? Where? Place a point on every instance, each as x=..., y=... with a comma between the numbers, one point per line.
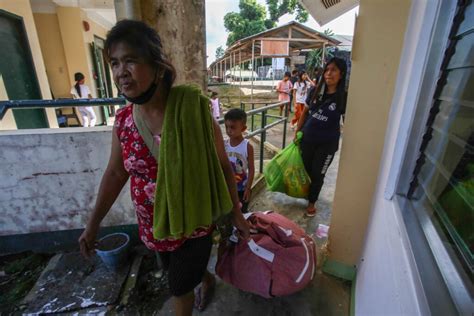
x=113, y=249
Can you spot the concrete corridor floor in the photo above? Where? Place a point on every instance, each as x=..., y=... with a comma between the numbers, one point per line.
x=325, y=295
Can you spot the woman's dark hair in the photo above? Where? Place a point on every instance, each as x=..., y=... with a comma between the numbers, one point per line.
x=340, y=89
x=287, y=74
x=146, y=43
x=78, y=76
x=318, y=69
x=317, y=73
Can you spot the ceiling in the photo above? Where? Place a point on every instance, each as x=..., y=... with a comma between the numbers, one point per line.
x=100, y=11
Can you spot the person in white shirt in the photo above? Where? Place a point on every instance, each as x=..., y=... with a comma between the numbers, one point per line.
x=215, y=106
x=300, y=89
x=81, y=91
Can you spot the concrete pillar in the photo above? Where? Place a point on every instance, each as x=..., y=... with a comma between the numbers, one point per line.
x=182, y=27
x=363, y=136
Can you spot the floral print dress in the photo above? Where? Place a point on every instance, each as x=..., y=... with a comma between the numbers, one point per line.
x=142, y=168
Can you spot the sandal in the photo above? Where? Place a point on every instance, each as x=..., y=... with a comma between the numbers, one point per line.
x=201, y=298
x=311, y=212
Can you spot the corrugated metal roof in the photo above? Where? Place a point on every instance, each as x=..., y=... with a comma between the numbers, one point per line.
x=302, y=37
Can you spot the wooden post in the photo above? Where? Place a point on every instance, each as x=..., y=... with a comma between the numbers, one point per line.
x=253, y=66
x=182, y=28
x=240, y=76
x=233, y=64
x=230, y=65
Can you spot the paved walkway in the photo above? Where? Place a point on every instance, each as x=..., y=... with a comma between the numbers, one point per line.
x=65, y=287
x=325, y=295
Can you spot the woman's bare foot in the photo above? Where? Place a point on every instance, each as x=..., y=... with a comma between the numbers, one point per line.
x=204, y=292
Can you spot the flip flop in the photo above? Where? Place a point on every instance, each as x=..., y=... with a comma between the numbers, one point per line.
x=202, y=299
x=197, y=296
x=311, y=212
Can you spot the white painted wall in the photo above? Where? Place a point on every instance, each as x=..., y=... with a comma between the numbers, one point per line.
x=387, y=278
x=49, y=179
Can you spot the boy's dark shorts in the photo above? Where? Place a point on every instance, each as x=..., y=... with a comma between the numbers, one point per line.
x=186, y=265
x=245, y=205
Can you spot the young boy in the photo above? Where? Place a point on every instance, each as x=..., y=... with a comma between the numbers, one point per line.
x=284, y=88
x=240, y=154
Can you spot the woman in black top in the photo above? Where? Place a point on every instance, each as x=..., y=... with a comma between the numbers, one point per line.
x=320, y=124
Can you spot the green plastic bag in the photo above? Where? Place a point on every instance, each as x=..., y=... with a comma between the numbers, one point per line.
x=286, y=173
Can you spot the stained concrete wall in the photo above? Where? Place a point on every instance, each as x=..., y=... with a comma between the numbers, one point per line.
x=22, y=8
x=50, y=179
x=378, y=41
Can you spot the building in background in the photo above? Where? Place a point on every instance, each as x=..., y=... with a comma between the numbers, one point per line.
x=45, y=42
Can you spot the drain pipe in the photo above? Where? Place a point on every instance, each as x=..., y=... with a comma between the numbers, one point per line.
x=127, y=9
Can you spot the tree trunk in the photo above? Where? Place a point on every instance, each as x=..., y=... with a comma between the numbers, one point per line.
x=182, y=28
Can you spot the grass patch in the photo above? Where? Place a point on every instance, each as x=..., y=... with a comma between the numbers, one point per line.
x=230, y=96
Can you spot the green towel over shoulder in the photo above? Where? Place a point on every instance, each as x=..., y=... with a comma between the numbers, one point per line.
x=191, y=190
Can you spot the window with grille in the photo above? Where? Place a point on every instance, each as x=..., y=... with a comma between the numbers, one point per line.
x=437, y=201
x=444, y=174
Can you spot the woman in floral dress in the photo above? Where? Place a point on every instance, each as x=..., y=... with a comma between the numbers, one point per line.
x=144, y=76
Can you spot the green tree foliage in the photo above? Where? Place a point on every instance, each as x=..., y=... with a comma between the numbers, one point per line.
x=278, y=8
x=252, y=18
x=315, y=56
x=249, y=21
x=328, y=32
x=219, y=52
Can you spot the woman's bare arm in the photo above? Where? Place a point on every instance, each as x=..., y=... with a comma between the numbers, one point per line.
x=113, y=180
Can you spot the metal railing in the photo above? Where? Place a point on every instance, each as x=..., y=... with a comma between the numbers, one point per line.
x=260, y=111
x=39, y=104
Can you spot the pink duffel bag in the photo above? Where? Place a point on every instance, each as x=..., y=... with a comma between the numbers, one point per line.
x=278, y=260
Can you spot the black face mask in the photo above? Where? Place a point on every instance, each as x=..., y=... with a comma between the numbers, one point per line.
x=145, y=96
